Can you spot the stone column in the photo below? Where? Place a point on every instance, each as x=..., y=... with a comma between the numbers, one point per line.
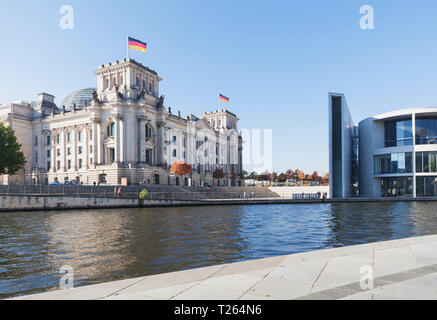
x=99, y=143
x=122, y=140
x=141, y=138
x=117, y=139
x=74, y=133
x=53, y=153
x=64, y=151
x=160, y=142
x=87, y=147
x=95, y=151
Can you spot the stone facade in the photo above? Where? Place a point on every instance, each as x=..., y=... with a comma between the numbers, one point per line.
x=121, y=132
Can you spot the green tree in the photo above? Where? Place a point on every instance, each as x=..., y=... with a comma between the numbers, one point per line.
x=12, y=159
x=218, y=174
x=282, y=177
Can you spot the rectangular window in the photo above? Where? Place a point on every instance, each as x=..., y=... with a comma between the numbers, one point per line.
x=426, y=131
x=397, y=187
x=58, y=152
x=48, y=165
x=80, y=150
x=79, y=135
x=91, y=134
x=58, y=165
x=426, y=186
x=36, y=141
x=68, y=137
x=80, y=163
x=394, y=163
x=69, y=164
x=149, y=157
x=48, y=153
x=426, y=162
x=68, y=151
x=48, y=140
x=112, y=155
x=91, y=149
x=58, y=139
x=398, y=133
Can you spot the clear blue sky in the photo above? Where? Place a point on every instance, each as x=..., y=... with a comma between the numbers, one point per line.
x=275, y=60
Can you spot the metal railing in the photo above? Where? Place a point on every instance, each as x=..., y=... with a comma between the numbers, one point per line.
x=130, y=192
x=154, y=193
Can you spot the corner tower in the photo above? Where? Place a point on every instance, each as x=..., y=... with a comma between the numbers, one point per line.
x=128, y=77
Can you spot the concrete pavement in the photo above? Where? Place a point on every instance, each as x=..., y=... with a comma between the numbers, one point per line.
x=399, y=269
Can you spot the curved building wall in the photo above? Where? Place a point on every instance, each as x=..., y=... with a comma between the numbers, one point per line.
x=403, y=146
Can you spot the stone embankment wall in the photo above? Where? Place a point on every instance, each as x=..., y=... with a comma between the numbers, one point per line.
x=22, y=203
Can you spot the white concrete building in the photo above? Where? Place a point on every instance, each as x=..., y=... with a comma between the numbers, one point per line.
x=388, y=155
x=121, y=132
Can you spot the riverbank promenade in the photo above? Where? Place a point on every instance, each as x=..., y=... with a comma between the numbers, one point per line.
x=397, y=269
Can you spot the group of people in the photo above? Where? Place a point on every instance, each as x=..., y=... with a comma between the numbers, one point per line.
x=117, y=192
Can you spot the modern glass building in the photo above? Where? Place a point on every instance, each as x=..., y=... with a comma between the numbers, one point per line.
x=388, y=155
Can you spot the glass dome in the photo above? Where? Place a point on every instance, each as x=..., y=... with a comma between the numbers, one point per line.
x=81, y=98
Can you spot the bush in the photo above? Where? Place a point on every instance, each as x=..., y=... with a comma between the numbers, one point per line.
x=143, y=194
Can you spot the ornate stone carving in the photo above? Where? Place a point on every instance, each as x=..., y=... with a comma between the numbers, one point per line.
x=141, y=95
x=95, y=97
x=161, y=103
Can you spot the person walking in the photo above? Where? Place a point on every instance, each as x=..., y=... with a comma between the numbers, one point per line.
x=115, y=192
x=119, y=192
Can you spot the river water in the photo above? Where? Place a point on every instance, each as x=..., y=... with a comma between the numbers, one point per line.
x=108, y=245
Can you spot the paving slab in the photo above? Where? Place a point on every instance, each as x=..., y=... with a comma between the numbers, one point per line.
x=403, y=269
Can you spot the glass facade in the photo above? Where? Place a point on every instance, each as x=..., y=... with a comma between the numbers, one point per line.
x=426, y=162
x=397, y=187
x=426, y=186
x=398, y=133
x=426, y=131
x=394, y=163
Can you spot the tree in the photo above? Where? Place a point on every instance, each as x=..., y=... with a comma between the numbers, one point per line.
x=253, y=175
x=181, y=168
x=12, y=159
x=300, y=175
x=273, y=176
x=218, y=174
x=316, y=176
x=290, y=174
x=243, y=175
x=282, y=177
x=265, y=176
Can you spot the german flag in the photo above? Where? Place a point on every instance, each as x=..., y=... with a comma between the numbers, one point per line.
x=138, y=45
x=223, y=98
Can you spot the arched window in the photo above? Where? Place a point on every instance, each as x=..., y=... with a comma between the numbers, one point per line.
x=138, y=81
x=148, y=132
x=174, y=139
x=174, y=153
x=110, y=130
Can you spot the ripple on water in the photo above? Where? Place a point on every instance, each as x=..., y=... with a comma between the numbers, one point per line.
x=116, y=244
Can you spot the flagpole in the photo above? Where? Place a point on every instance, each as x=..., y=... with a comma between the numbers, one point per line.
x=127, y=47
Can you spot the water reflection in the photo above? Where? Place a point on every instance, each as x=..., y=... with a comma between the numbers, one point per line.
x=117, y=244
